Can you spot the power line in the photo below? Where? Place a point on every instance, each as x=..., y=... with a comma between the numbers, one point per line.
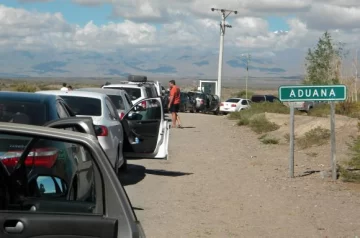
x=224, y=14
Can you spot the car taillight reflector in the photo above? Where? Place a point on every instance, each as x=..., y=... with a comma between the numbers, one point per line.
x=233, y=105
x=121, y=115
x=143, y=104
x=202, y=101
x=41, y=157
x=104, y=131
x=221, y=104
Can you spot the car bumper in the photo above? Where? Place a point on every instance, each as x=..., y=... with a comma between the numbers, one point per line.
x=229, y=109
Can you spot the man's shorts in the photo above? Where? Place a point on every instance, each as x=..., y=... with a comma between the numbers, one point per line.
x=174, y=108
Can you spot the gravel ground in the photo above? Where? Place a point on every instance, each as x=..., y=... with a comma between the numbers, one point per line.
x=220, y=181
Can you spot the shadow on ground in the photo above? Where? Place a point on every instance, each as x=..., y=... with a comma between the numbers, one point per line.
x=136, y=173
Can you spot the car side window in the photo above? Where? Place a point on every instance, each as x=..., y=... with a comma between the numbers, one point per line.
x=149, y=92
x=152, y=111
x=110, y=109
x=128, y=100
x=244, y=102
x=62, y=113
x=61, y=178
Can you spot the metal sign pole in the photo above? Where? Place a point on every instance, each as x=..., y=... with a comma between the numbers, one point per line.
x=333, y=142
x=292, y=138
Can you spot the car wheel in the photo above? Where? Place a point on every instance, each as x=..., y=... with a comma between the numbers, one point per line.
x=197, y=110
x=184, y=108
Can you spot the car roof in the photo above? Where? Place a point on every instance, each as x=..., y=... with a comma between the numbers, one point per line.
x=123, y=86
x=100, y=96
x=107, y=91
x=27, y=96
x=56, y=133
x=237, y=98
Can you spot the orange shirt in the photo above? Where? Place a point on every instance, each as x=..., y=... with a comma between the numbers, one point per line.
x=175, y=93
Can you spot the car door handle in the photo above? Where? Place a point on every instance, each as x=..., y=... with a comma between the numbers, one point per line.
x=18, y=228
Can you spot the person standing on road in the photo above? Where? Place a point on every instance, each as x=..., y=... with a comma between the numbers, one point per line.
x=174, y=103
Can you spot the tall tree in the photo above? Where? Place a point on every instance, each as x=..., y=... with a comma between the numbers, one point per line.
x=323, y=63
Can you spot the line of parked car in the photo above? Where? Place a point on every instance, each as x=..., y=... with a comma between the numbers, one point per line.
x=60, y=154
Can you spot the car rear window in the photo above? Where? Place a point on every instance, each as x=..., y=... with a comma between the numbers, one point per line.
x=84, y=105
x=233, y=100
x=134, y=93
x=258, y=99
x=23, y=112
x=118, y=101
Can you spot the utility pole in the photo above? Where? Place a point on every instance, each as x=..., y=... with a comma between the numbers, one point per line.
x=224, y=14
x=356, y=74
x=248, y=58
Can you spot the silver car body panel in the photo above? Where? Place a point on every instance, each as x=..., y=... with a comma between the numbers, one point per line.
x=112, y=144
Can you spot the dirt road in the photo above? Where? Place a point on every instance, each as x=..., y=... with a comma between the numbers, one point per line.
x=220, y=181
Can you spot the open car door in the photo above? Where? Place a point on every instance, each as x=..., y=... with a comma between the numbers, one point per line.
x=27, y=211
x=147, y=130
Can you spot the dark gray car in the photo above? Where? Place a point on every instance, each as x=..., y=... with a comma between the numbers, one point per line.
x=40, y=205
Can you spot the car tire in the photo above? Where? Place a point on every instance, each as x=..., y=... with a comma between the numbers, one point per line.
x=197, y=110
x=184, y=108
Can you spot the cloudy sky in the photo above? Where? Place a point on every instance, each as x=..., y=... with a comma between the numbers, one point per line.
x=175, y=37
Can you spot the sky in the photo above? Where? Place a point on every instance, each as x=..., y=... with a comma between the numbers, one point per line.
x=179, y=38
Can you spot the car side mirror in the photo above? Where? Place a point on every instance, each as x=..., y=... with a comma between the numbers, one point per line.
x=139, y=108
x=51, y=186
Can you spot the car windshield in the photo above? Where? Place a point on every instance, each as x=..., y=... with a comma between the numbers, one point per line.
x=118, y=101
x=235, y=100
x=134, y=93
x=84, y=105
x=258, y=99
x=23, y=112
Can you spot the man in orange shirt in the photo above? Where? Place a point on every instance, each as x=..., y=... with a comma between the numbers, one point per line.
x=174, y=103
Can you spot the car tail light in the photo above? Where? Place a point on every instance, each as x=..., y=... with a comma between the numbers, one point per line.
x=143, y=104
x=104, y=131
x=221, y=104
x=202, y=101
x=233, y=105
x=121, y=115
x=40, y=157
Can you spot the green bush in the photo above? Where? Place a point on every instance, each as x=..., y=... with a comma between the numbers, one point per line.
x=260, y=124
x=315, y=137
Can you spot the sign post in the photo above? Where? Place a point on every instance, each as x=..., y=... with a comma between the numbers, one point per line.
x=303, y=93
x=292, y=140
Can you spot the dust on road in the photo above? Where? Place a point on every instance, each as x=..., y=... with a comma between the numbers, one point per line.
x=220, y=181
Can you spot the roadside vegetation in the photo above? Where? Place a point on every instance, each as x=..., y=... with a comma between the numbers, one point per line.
x=268, y=140
x=315, y=137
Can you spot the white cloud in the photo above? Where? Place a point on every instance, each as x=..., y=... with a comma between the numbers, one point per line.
x=184, y=23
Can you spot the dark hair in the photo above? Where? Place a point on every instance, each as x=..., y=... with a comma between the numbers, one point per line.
x=64, y=84
x=70, y=87
x=172, y=82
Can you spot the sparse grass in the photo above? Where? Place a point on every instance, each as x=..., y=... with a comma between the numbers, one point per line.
x=250, y=116
x=315, y=137
x=268, y=140
x=24, y=87
x=242, y=94
x=320, y=111
x=287, y=137
x=312, y=154
x=260, y=124
x=352, y=173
